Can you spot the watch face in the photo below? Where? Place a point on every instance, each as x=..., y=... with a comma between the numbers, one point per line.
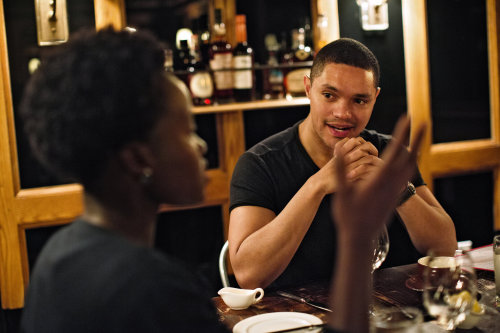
x=407, y=193
x=411, y=188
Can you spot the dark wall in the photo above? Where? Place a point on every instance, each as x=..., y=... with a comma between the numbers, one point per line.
x=388, y=48
x=458, y=57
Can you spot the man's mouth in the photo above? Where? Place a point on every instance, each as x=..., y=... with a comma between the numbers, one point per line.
x=340, y=131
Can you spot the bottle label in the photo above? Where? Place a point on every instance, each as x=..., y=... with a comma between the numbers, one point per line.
x=223, y=79
x=242, y=79
x=295, y=80
x=275, y=76
x=302, y=54
x=201, y=85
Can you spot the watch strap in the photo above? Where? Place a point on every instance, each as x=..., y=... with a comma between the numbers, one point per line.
x=408, y=192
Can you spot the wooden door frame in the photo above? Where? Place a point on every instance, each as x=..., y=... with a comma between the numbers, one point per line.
x=451, y=158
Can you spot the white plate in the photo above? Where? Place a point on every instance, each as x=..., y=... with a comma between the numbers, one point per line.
x=275, y=321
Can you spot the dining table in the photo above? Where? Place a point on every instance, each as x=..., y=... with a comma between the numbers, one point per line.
x=391, y=288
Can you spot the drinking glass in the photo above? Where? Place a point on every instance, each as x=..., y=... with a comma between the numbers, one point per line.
x=381, y=248
x=397, y=320
x=449, y=289
x=496, y=258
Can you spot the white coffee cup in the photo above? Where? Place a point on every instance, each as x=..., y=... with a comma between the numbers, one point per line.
x=239, y=299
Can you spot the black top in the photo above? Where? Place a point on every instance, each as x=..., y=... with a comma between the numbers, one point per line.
x=88, y=279
x=270, y=173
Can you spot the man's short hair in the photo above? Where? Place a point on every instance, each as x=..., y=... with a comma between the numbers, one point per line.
x=90, y=97
x=349, y=52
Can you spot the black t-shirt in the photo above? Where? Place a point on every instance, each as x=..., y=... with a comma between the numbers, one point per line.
x=270, y=173
x=88, y=279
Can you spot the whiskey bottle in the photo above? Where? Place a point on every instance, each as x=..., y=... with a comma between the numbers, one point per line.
x=243, y=76
x=221, y=60
x=302, y=55
x=183, y=58
x=273, y=75
x=204, y=39
x=200, y=81
x=200, y=84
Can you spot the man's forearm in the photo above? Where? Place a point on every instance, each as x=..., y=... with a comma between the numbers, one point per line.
x=428, y=224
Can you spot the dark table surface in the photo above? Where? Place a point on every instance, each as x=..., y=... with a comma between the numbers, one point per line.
x=389, y=290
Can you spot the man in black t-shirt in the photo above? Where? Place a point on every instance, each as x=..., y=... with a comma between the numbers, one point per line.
x=279, y=225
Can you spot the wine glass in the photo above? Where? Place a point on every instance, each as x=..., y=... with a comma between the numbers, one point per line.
x=449, y=289
x=380, y=249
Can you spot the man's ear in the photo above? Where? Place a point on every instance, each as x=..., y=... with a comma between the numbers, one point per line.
x=307, y=84
x=378, y=92
x=136, y=156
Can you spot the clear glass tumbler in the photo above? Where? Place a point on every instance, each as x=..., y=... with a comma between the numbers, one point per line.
x=397, y=320
x=496, y=260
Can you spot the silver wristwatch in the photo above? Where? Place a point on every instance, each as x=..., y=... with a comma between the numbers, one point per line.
x=408, y=192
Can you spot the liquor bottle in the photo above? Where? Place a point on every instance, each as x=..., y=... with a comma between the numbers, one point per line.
x=272, y=76
x=285, y=53
x=301, y=50
x=204, y=39
x=243, y=78
x=183, y=58
x=199, y=79
x=221, y=60
x=294, y=79
x=200, y=84
x=169, y=60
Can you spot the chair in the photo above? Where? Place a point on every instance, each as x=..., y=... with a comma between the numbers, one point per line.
x=223, y=266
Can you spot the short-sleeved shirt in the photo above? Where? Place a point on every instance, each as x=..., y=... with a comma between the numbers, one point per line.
x=88, y=279
x=270, y=173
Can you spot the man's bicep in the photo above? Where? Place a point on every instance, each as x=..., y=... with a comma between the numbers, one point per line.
x=252, y=183
x=244, y=221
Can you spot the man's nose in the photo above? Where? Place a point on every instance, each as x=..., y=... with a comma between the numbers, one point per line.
x=342, y=109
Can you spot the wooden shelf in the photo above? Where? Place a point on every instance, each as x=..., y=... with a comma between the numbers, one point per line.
x=253, y=105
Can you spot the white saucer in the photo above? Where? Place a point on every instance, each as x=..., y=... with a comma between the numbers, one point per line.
x=275, y=321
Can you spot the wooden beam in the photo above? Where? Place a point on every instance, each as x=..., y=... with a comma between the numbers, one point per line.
x=216, y=192
x=253, y=105
x=52, y=205
x=464, y=157
x=12, y=280
x=493, y=28
x=417, y=76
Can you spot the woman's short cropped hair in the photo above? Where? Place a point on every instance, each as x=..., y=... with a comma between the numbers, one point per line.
x=91, y=96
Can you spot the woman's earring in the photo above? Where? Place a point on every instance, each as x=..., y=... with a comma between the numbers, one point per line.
x=146, y=175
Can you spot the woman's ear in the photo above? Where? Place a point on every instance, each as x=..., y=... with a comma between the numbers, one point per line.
x=135, y=157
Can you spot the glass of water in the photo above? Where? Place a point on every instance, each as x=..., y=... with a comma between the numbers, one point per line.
x=449, y=291
x=381, y=249
x=496, y=258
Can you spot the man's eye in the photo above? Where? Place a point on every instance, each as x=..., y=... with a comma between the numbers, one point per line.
x=361, y=101
x=327, y=95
